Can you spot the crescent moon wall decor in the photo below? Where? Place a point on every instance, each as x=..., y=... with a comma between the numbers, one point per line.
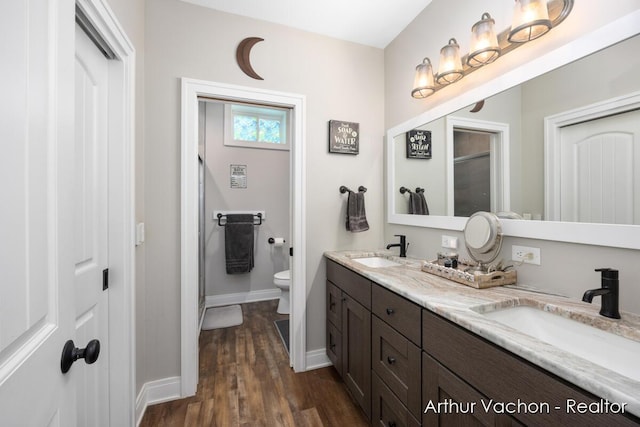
x=477, y=107
x=243, y=56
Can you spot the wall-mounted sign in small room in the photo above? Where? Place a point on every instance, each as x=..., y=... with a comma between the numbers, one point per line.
x=344, y=137
x=238, y=176
x=419, y=144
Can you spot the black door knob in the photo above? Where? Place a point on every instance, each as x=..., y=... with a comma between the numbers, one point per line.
x=71, y=353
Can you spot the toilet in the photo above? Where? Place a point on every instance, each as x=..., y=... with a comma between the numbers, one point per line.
x=282, y=280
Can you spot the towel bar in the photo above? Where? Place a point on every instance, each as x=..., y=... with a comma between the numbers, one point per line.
x=344, y=189
x=406, y=190
x=220, y=216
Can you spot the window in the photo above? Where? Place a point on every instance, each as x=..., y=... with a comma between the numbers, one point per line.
x=256, y=127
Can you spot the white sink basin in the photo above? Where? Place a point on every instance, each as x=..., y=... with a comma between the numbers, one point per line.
x=606, y=349
x=376, y=262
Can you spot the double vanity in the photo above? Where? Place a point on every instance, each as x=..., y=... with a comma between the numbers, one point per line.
x=417, y=349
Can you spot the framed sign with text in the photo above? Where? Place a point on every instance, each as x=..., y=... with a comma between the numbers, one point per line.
x=419, y=144
x=344, y=137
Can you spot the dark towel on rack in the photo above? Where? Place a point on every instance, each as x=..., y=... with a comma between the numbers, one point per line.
x=418, y=204
x=356, y=215
x=238, y=243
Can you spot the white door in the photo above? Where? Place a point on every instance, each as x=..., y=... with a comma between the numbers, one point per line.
x=91, y=229
x=599, y=164
x=36, y=219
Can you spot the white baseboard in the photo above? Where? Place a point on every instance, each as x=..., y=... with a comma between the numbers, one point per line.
x=317, y=359
x=241, y=297
x=154, y=392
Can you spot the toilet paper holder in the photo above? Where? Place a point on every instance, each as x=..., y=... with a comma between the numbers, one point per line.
x=272, y=240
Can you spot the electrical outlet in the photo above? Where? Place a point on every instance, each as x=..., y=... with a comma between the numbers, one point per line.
x=449, y=242
x=525, y=254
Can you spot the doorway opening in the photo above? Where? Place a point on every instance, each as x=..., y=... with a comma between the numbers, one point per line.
x=477, y=166
x=471, y=172
x=244, y=153
x=193, y=91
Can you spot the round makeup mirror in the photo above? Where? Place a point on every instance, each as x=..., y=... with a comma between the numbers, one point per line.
x=483, y=238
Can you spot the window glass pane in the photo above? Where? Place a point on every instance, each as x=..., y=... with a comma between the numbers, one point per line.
x=270, y=131
x=245, y=128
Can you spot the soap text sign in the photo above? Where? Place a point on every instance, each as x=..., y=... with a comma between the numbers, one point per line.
x=418, y=144
x=344, y=137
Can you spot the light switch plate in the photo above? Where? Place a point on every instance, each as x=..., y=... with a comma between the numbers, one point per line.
x=139, y=233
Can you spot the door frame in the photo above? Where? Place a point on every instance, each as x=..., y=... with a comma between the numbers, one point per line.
x=192, y=89
x=500, y=169
x=552, y=128
x=121, y=210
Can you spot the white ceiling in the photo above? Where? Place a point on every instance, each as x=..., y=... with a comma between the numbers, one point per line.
x=369, y=22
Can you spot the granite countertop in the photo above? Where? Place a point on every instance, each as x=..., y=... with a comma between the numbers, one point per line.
x=463, y=305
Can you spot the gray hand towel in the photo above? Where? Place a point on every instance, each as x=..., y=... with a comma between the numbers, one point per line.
x=356, y=215
x=418, y=204
x=238, y=243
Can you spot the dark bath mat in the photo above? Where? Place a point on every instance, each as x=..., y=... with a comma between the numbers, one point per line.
x=283, y=329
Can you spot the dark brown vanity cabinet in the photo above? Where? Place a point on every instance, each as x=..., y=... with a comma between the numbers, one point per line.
x=349, y=330
x=407, y=366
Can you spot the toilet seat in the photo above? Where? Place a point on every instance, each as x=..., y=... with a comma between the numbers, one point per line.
x=282, y=278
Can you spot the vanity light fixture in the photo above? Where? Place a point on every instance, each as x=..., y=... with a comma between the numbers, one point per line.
x=423, y=84
x=450, y=66
x=532, y=19
x=484, y=42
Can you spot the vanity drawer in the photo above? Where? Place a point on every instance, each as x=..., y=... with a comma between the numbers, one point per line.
x=358, y=287
x=334, y=305
x=400, y=313
x=396, y=360
x=387, y=410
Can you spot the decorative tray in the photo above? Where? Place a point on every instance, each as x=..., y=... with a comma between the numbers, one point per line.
x=475, y=279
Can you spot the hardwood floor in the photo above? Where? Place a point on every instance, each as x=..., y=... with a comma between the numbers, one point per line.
x=245, y=380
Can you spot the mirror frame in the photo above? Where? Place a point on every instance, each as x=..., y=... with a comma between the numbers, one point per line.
x=612, y=235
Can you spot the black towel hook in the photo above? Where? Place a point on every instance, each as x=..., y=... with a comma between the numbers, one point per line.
x=419, y=190
x=404, y=190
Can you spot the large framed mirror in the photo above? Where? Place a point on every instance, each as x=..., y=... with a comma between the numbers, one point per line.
x=506, y=156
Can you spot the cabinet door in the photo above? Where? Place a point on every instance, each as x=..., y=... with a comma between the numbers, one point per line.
x=334, y=347
x=356, y=351
x=449, y=401
x=334, y=305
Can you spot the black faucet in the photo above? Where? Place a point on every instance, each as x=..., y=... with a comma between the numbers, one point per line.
x=402, y=245
x=608, y=291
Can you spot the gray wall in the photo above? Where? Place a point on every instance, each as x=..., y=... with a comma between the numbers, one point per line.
x=566, y=268
x=341, y=80
x=267, y=190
